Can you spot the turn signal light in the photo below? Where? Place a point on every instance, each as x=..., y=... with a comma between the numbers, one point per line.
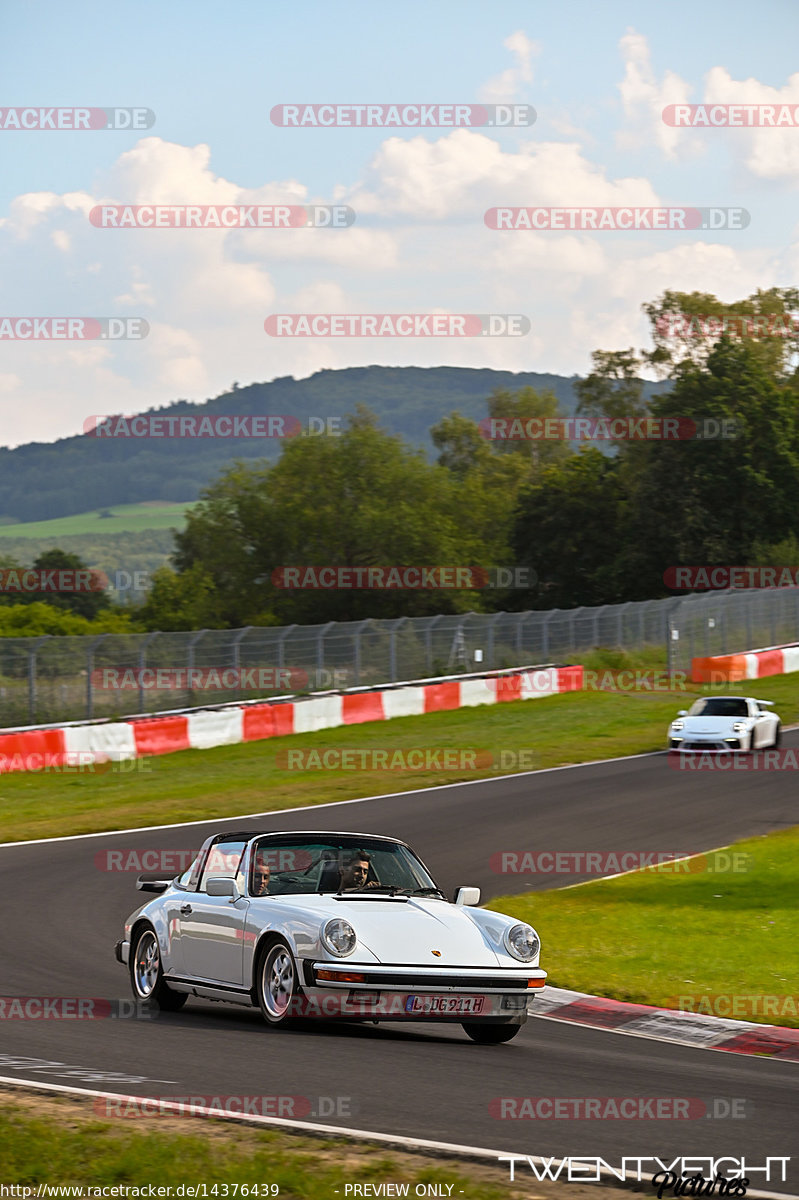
x=341, y=976
x=536, y=983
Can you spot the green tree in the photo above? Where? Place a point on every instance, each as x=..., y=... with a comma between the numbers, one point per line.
x=358, y=500
x=567, y=531
x=714, y=499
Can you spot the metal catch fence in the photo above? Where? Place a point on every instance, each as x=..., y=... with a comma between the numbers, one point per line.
x=51, y=679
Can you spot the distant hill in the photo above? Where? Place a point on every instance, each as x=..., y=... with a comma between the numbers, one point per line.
x=40, y=481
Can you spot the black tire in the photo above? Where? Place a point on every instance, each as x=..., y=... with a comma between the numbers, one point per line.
x=489, y=1035
x=147, y=976
x=777, y=734
x=276, y=983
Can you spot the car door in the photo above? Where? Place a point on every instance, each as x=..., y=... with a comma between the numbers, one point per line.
x=761, y=729
x=211, y=927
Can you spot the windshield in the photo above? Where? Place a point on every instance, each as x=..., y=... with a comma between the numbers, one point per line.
x=299, y=865
x=719, y=706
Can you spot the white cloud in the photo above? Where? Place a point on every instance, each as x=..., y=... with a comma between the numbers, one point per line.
x=507, y=86
x=766, y=153
x=644, y=98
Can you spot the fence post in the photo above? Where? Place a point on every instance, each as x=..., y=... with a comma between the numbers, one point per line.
x=429, y=642
x=491, y=641
x=240, y=635
x=320, y=647
x=89, y=669
x=545, y=633
x=32, y=676
x=357, y=657
x=190, y=661
x=281, y=648
x=145, y=642
x=392, y=648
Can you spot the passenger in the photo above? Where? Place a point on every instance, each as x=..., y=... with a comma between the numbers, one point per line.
x=261, y=875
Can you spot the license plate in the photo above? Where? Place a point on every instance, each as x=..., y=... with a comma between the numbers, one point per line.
x=444, y=1005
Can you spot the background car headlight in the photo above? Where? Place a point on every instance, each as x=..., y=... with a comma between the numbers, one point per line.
x=739, y=727
x=339, y=937
x=522, y=942
x=676, y=726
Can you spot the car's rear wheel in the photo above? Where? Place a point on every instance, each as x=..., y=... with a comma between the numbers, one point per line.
x=276, y=983
x=490, y=1035
x=147, y=974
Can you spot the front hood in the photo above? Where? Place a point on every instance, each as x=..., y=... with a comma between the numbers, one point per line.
x=407, y=934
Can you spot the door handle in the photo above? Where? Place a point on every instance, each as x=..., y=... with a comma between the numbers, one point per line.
x=185, y=909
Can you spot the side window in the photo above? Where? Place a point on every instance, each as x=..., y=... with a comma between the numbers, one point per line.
x=193, y=870
x=223, y=862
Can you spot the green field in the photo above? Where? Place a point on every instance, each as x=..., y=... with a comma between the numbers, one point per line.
x=61, y=1140
x=679, y=938
x=125, y=518
x=228, y=780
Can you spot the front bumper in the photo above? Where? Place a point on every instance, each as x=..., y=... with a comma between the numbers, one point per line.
x=399, y=993
x=695, y=745
x=122, y=951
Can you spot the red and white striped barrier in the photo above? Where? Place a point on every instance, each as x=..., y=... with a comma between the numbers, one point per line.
x=754, y=664
x=201, y=729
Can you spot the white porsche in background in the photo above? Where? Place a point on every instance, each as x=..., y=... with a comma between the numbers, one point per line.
x=329, y=925
x=718, y=723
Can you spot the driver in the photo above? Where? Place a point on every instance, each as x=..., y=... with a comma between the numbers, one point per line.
x=354, y=871
x=261, y=875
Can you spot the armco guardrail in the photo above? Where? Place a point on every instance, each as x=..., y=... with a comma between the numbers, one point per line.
x=752, y=664
x=201, y=729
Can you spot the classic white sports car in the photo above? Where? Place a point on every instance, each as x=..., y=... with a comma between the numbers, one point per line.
x=718, y=723
x=329, y=925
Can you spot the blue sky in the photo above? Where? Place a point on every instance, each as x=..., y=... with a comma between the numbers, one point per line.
x=597, y=74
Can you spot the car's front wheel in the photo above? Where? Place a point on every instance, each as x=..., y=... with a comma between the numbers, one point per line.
x=490, y=1035
x=276, y=983
x=147, y=975
x=777, y=734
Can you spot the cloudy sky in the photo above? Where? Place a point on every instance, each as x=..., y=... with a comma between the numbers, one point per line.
x=598, y=76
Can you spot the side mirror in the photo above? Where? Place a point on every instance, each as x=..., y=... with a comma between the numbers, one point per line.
x=467, y=895
x=683, y=712
x=223, y=887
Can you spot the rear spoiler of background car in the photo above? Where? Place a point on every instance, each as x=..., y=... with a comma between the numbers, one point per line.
x=770, y=703
x=152, y=883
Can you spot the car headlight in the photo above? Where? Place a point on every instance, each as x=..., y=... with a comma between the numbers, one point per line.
x=338, y=937
x=522, y=942
x=677, y=726
x=739, y=727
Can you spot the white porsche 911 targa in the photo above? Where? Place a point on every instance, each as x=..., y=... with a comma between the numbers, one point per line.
x=331, y=925
x=718, y=723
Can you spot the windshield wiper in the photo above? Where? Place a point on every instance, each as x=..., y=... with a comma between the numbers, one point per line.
x=428, y=891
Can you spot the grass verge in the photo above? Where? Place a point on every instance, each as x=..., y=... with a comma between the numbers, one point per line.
x=48, y=1140
x=659, y=936
x=231, y=780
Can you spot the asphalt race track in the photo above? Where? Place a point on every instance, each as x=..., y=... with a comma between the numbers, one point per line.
x=62, y=915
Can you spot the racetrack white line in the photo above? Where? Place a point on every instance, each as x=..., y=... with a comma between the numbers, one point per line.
x=420, y=1145
x=74, y=837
